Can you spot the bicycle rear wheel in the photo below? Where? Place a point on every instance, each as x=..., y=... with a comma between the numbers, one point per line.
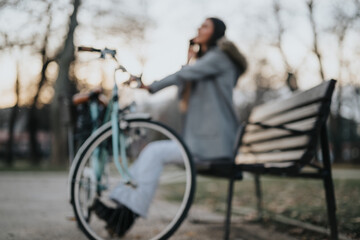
x=175, y=186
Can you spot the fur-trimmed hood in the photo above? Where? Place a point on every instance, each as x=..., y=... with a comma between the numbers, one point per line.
x=233, y=52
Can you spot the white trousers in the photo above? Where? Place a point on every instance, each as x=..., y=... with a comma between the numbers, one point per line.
x=146, y=171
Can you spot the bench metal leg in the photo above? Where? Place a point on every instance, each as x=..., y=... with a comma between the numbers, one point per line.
x=228, y=211
x=331, y=206
x=328, y=184
x=258, y=196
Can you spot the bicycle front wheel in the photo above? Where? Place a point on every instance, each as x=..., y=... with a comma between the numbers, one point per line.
x=96, y=176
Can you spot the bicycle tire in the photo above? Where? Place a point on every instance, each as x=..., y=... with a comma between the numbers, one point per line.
x=99, y=137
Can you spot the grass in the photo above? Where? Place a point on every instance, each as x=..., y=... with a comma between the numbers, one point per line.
x=23, y=165
x=300, y=199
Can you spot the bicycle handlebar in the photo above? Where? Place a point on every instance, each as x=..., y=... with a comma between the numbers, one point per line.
x=103, y=52
x=137, y=79
x=112, y=53
x=88, y=49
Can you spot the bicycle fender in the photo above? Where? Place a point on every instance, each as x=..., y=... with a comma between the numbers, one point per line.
x=131, y=116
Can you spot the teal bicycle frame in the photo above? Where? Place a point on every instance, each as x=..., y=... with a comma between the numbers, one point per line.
x=119, y=140
x=100, y=156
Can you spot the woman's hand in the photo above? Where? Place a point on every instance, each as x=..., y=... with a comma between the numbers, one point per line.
x=192, y=50
x=191, y=54
x=138, y=80
x=142, y=86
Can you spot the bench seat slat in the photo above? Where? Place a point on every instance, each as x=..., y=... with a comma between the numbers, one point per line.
x=279, y=144
x=263, y=134
x=317, y=93
x=278, y=165
x=250, y=158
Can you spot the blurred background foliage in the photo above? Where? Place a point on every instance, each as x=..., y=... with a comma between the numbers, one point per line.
x=290, y=45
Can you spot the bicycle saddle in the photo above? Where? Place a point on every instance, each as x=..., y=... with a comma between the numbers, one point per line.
x=94, y=94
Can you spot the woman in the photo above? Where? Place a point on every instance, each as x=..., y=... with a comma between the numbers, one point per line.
x=210, y=123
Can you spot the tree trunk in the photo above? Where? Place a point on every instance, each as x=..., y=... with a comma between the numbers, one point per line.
x=59, y=107
x=32, y=124
x=12, y=120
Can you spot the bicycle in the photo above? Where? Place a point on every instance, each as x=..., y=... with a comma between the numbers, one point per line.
x=106, y=158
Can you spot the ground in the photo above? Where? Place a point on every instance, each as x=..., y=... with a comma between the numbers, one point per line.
x=34, y=205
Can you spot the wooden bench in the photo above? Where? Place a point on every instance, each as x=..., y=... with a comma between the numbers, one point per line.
x=281, y=138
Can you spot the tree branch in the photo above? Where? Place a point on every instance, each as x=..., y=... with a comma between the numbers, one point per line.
x=316, y=50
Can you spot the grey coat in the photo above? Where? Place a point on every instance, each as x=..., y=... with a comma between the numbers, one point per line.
x=211, y=124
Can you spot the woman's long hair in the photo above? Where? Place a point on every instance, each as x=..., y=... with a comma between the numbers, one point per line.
x=219, y=32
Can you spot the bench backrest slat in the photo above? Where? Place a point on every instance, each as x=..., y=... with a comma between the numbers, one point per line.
x=286, y=130
x=292, y=115
x=315, y=94
x=279, y=144
x=258, y=134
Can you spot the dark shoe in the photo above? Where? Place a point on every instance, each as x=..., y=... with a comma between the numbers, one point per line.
x=101, y=210
x=121, y=221
x=118, y=220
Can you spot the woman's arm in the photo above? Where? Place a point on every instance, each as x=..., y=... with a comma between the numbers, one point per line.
x=208, y=65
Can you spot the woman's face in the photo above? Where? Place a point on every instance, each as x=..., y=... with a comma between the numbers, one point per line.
x=205, y=31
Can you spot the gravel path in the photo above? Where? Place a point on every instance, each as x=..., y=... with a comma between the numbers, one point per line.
x=35, y=206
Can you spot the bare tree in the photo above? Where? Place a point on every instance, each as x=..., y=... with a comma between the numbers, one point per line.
x=291, y=78
x=344, y=23
x=133, y=27
x=40, y=44
x=62, y=86
x=46, y=60
x=130, y=26
x=316, y=50
x=10, y=44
